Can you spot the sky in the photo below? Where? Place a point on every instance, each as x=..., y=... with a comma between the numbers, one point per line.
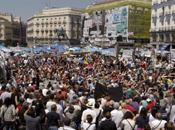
x=27, y=8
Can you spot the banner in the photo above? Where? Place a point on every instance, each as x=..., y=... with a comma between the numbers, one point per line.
x=115, y=93
x=127, y=53
x=172, y=54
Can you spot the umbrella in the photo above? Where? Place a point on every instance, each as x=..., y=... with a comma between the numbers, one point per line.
x=55, y=50
x=89, y=66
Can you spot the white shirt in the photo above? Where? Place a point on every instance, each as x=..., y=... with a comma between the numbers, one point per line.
x=157, y=124
x=66, y=128
x=117, y=117
x=87, y=112
x=127, y=125
x=86, y=125
x=49, y=104
x=92, y=100
x=60, y=111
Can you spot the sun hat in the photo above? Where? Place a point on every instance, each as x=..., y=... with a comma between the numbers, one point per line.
x=89, y=104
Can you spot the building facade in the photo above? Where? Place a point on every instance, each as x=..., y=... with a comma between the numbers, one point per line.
x=126, y=20
x=163, y=23
x=41, y=27
x=10, y=30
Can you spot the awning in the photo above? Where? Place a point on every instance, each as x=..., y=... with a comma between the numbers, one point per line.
x=164, y=46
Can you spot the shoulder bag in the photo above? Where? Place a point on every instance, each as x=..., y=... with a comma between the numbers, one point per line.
x=130, y=124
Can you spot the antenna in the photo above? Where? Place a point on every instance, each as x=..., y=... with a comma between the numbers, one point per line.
x=46, y=5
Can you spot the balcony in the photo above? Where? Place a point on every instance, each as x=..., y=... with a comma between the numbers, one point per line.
x=161, y=29
x=155, y=2
x=173, y=28
x=55, y=22
x=167, y=28
x=154, y=15
x=168, y=13
x=51, y=22
x=42, y=22
x=161, y=14
x=42, y=29
x=153, y=30
x=162, y=1
x=37, y=29
x=59, y=22
x=46, y=29
x=37, y=23
x=173, y=12
x=46, y=22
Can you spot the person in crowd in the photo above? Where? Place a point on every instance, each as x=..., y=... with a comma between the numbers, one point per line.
x=53, y=118
x=32, y=121
x=66, y=125
x=158, y=122
x=107, y=123
x=128, y=123
x=8, y=113
x=88, y=125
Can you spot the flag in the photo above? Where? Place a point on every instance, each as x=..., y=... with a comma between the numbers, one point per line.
x=115, y=93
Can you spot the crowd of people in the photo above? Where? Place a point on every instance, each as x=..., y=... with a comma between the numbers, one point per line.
x=46, y=92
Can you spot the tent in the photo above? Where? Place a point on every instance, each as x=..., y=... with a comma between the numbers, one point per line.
x=5, y=49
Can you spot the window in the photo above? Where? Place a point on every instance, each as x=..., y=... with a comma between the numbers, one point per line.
x=169, y=6
x=59, y=18
x=55, y=18
x=51, y=19
x=46, y=19
x=156, y=10
x=64, y=17
x=42, y=19
x=37, y=19
x=168, y=21
x=64, y=25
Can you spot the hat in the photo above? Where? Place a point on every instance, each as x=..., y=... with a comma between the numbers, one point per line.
x=44, y=92
x=89, y=104
x=148, y=100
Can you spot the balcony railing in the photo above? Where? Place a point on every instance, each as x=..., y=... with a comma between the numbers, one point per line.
x=161, y=14
x=155, y=2
x=168, y=13
x=167, y=28
x=173, y=28
x=173, y=12
x=154, y=15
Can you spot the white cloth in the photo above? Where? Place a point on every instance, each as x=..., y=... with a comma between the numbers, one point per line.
x=127, y=125
x=66, y=128
x=87, y=112
x=117, y=117
x=60, y=111
x=156, y=124
x=86, y=125
x=49, y=104
x=4, y=96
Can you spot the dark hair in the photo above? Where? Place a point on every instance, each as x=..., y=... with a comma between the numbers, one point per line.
x=97, y=105
x=71, y=109
x=31, y=112
x=143, y=112
x=154, y=111
x=108, y=115
x=89, y=118
x=7, y=102
x=67, y=121
x=83, y=107
x=38, y=96
x=128, y=114
x=169, y=126
x=51, y=96
x=147, y=127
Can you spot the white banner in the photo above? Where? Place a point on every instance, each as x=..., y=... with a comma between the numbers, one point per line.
x=127, y=53
x=173, y=54
x=88, y=23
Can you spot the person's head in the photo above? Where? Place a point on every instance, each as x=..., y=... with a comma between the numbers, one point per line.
x=71, y=109
x=116, y=105
x=128, y=115
x=51, y=96
x=123, y=105
x=158, y=116
x=13, y=89
x=169, y=126
x=154, y=111
x=25, y=105
x=147, y=127
x=8, y=102
x=67, y=121
x=143, y=112
x=108, y=115
x=31, y=112
x=38, y=96
x=89, y=118
x=53, y=107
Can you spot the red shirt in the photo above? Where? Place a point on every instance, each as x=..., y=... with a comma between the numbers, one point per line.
x=128, y=107
x=150, y=105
